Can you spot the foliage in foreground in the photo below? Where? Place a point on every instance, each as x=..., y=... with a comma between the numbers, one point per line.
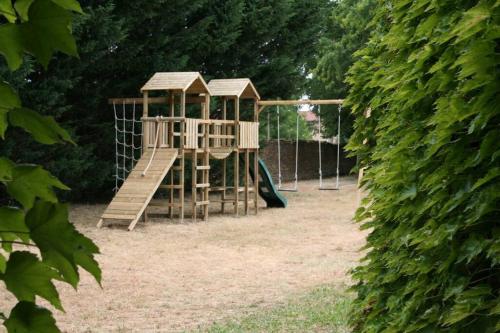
x=432, y=151
x=322, y=310
x=35, y=218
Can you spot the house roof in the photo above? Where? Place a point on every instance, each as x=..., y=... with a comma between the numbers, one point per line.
x=309, y=116
x=191, y=82
x=242, y=88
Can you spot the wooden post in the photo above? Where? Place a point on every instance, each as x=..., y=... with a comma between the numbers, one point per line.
x=237, y=154
x=206, y=159
x=224, y=161
x=256, y=158
x=256, y=180
x=171, y=143
x=181, y=151
x=145, y=131
x=247, y=164
x=236, y=185
x=194, y=176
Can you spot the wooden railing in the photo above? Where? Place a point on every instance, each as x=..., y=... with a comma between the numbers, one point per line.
x=249, y=134
x=222, y=133
x=191, y=133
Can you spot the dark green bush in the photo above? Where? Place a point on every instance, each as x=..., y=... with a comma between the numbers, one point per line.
x=431, y=77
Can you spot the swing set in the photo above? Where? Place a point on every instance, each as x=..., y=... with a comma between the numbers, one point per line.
x=277, y=104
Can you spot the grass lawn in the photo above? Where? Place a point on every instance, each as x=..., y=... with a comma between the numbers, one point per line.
x=324, y=309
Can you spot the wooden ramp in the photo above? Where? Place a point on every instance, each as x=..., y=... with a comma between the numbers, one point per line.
x=138, y=189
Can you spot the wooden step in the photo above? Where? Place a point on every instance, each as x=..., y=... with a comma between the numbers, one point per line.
x=164, y=203
x=202, y=203
x=204, y=185
x=175, y=187
x=203, y=167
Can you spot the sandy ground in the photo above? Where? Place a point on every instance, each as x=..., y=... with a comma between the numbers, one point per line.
x=170, y=277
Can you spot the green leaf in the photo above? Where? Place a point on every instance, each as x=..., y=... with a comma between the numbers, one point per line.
x=72, y=5
x=48, y=30
x=44, y=129
x=7, y=11
x=11, y=45
x=27, y=277
x=22, y=8
x=12, y=226
x=8, y=100
x=32, y=181
x=8, y=97
x=27, y=317
x=3, y=122
x=6, y=167
x=3, y=263
x=492, y=174
x=61, y=245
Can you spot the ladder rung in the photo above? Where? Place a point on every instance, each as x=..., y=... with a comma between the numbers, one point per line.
x=202, y=203
x=203, y=185
x=203, y=167
x=177, y=168
x=164, y=204
x=172, y=186
x=222, y=201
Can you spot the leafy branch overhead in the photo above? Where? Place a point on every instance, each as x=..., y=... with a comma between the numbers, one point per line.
x=36, y=218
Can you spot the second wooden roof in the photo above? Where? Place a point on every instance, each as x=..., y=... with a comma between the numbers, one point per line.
x=242, y=88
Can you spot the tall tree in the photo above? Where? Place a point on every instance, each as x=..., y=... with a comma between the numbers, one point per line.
x=430, y=76
x=347, y=31
x=120, y=50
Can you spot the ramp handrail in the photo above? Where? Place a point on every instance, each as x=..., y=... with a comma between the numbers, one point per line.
x=158, y=118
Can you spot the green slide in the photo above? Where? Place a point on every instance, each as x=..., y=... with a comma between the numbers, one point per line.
x=267, y=189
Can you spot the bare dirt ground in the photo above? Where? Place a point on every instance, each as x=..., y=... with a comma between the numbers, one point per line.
x=171, y=277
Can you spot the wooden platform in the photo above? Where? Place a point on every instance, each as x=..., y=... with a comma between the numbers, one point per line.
x=138, y=189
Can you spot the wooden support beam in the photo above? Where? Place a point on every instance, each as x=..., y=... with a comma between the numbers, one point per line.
x=236, y=181
x=256, y=180
x=154, y=100
x=194, y=191
x=247, y=179
x=263, y=104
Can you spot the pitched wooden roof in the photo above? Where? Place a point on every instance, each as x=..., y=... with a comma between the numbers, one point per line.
x=191, y=82
x=242, y=88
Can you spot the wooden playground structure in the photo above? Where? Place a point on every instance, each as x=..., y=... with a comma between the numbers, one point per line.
x=168, y=141
x=173, y=145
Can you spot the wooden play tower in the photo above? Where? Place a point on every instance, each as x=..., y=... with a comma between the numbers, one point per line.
x=172, y=138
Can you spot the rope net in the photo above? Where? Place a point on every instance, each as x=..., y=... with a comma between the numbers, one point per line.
x=128, y=142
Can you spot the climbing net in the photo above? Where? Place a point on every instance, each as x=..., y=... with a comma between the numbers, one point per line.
x=128, y=142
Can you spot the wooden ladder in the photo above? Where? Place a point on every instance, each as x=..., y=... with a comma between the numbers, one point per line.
x=200, y=183
x=177, y=169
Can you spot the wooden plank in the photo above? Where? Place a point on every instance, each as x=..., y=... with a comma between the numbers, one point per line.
x=256, y=181
x=301, y=102
x=236, y=181
x=118, y=216
x=194, y=191
x=125, y=205
x=132, y=199
x=168, y=187
x=202, y=185
x=247, y=179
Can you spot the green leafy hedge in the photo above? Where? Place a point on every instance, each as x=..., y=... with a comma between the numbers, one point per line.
x=426, y=96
